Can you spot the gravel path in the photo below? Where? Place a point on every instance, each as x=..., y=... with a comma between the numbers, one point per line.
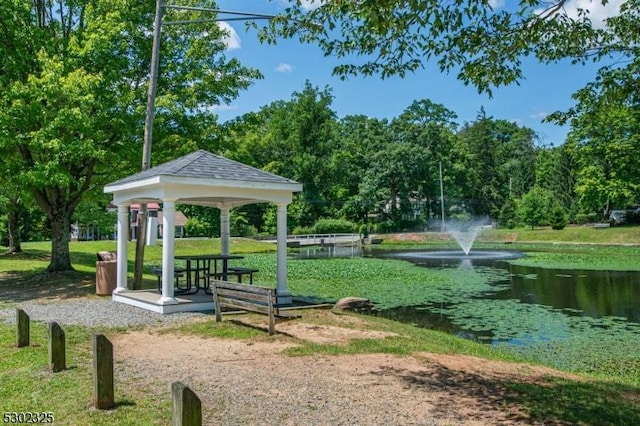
x=103, y=313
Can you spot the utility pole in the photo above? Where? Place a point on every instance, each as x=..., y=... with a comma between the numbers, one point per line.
x=442, y=227
x=146, y=147
x=151, y=103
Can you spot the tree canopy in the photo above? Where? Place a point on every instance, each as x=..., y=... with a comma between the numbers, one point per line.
x=75, y=73
x=483, y=42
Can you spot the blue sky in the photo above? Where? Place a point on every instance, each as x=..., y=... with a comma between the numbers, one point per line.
x=286, y=66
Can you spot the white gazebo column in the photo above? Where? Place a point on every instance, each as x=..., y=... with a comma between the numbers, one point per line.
x=168, y=251
x=225, y=230
x=283, y=289
x=123, y=233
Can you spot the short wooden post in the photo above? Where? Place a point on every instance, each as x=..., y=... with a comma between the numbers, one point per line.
x=22, y=330
x=103, y=395
x=187, y=408
x=57, y=356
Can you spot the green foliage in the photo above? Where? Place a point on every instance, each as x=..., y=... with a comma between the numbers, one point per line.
x=240, y=226
x=334, y=226
x=195, y=228
x=206, y=220
x=558, y=217
x=532, y=209
x=364, y=230
x=74, y=76
x=302, y=230
x=508, y=214
x=484, y=43
x=499, y=159
x=582, y=218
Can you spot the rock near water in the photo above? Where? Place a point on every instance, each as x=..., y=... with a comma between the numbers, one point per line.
x=355, y=304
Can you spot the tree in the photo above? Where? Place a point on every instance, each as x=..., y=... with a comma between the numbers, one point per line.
x=360, y=139
x=482, y=41
x=74, y=74
x=556, y=170
x=509, y=214
x=604, y=137
x=293, y=138
x=533, y=207
x=558, y=216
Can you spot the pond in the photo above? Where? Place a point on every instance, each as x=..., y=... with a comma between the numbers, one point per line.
x=551, y=315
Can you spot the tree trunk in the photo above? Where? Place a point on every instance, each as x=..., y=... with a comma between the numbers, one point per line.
x=60, y=255
x=14, y=227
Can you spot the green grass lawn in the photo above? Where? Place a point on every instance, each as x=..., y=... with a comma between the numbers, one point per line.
x=612, y=397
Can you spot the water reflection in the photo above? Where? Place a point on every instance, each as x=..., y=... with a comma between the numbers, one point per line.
x=526, y=305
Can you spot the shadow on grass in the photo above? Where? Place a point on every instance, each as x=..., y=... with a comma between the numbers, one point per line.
x=29, y=280
x=22, y=286
x=547, y=400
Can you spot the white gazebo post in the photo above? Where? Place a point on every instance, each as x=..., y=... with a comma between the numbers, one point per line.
x=168, y=251
x=283, y=289
x=123, y=233
x=225, y=230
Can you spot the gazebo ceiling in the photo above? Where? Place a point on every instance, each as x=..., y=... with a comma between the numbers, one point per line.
x=204, y=179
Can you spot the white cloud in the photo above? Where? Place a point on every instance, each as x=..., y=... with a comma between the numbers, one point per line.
x=496, y=4
x=216, y=108
x=284, y=68
x=311, y=4
x=305, y=4
x=540, y=115
x=231, y=38
x=597, y=12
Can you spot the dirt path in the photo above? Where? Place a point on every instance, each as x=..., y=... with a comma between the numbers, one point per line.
x=254, y=383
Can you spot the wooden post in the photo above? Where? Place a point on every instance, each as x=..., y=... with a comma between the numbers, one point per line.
x=103, y=395
x=187, y=408
x=57, y=356
x=22, y=330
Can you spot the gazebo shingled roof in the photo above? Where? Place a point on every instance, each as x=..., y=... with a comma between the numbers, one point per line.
x=202, y=164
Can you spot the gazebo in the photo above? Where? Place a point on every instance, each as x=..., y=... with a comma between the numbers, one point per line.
x=203, y=179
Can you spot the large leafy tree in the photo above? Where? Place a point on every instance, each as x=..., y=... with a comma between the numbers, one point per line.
x=430, y=127
x=75, y=75
x=499, y=162
x=360, y=138
x=604, y=140
x=293, y=138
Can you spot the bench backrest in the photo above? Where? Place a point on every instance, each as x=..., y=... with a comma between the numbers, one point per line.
x=246, y=297
x=242, y=296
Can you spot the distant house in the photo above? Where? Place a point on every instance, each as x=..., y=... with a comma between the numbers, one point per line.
x=155, y=217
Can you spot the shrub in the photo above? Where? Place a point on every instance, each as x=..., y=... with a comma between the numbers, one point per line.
x=582, y=219
x=334, y=226
x=592, y=217
x=195, y=228
x=558, y=217
x=385, y=227
x=302, y=230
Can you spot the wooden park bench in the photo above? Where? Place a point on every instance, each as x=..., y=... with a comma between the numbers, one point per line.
x=247, y=297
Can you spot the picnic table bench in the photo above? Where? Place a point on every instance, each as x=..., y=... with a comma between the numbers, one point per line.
x=177, y=274
x=251, y=298
x=237, y=272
